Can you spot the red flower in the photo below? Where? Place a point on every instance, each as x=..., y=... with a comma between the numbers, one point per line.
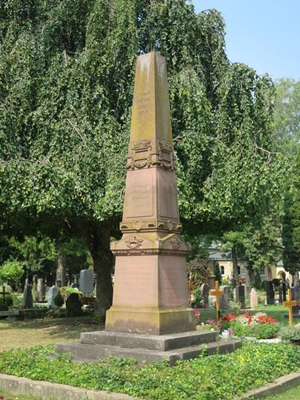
x=262, y=319
x=228, y=317
x=249, y=317
x=197, y=314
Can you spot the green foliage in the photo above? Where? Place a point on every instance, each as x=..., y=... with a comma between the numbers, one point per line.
x=217, y=272
x=197, y=299
x=291, y=250
x=11, y=271
x=198, y=272
x=66, y=86
x=215, y=377
x=257, y=284
x=58, y=300
x=286, y=116
x=290, y=333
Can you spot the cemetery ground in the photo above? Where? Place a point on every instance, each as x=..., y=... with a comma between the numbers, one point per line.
x=214, y=377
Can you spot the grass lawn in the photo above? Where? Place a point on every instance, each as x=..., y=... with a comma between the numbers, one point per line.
x=292, y=394
x=43, y=332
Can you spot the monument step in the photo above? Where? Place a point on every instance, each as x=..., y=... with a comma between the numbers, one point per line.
x=149, y=342
x=91, y=352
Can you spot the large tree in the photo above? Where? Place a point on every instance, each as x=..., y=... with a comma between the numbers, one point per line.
x=66, y=84
x=287, y=116
x=287, y=130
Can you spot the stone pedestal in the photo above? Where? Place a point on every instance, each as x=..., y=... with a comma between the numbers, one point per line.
x=147, y=348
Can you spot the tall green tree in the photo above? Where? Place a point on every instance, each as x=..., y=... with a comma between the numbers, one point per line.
x=287, y=116
x=287, y=130
x=66, y=84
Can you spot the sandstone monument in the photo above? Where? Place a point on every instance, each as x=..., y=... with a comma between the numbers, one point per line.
x=150, y=284
x=150, y=318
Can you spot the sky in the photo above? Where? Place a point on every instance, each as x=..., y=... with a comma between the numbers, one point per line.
x=264, y=34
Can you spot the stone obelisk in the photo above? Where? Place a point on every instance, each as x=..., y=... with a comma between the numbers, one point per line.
x=150, y=282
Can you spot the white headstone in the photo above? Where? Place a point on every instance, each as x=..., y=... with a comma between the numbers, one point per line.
x=253, y=298
x=52, y=292
x=86, y=282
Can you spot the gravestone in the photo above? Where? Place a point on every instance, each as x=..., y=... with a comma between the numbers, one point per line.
x=52, y=292
x=74, y=305
x=40, y=290
x=204, y=291
x=150, y=318
x=295, y=296
x=270, y=293
x=284, y=290
x=86, y=281
x=27, y=297
x=240, y=295
x=224, y=299
x=253, y=299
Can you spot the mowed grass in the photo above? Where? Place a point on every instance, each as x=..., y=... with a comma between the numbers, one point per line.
x=44, y=332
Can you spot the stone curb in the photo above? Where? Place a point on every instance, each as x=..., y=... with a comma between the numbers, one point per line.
x=55, y=391
x=280, y=385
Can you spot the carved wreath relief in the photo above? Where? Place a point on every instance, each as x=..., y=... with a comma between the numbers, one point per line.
x=148, y=153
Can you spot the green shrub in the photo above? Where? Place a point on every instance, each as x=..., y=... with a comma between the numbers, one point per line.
x=11, y=270
x=197, y=301
x=58, y=300
x=5, y=304
x=290, y=333
x=263, y=331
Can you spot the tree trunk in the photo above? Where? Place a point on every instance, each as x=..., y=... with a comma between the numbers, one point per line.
x=61, y=265
x=97, y=237
x=235, y=265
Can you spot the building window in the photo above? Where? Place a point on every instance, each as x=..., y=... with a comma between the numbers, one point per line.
x=222, y=269
x=239, y=270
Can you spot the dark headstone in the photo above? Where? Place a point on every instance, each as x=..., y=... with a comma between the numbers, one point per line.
x=224, y=299
x=74, y=305
x=284, y=289
x=27, y=297
x=270, y=293
x=240, y=295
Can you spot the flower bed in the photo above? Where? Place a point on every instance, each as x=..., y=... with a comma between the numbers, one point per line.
x=259, y=325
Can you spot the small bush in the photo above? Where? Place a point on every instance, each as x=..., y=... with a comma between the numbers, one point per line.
x=290, y=333
x=5, y=304
x=58, y=300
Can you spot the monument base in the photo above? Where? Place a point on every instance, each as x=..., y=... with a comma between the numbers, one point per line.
x=147, y=348
x=153, y=321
